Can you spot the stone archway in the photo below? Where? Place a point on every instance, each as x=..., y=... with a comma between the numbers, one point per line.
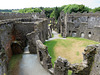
x=74, y=33
x=16, y=47
x=89, y=34
x=82, y=34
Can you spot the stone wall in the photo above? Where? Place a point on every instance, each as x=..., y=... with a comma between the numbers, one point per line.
x=44, y=56
x=4, y=16
x=61, y=66
x=3, y=62
x=84, y=25
x=16, y=30
x=89, y=66
x=13, y=33
x=40, y=29
x=85, y=68
x=6, y=37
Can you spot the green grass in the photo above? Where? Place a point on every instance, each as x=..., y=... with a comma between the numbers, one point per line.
x=14, y=61
x=49, y=24
x=87, y=41
x=77, y=53
x=69, y=72
x=65, y=47
x=52, y=35
x=60, y=36
x=51, y=45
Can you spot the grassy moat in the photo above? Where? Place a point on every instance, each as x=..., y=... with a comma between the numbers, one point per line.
x=70, y=48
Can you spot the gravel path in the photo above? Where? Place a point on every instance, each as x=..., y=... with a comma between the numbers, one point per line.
x=56, y=36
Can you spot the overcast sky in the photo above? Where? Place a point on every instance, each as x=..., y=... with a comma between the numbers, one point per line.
x=17, y=4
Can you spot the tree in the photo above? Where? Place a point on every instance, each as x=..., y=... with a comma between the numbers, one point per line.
x=96, y=9
x=30, y=10
x=76, y=8
x=56, y=12
x=48, y=11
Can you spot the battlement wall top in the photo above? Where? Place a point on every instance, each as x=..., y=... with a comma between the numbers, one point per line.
x=4, y=16
x=22, y=20
x=97, y=14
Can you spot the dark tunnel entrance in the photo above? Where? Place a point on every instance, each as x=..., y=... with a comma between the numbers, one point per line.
x=16, y=47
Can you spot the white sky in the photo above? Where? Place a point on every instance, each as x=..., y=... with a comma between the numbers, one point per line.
x=17, y=4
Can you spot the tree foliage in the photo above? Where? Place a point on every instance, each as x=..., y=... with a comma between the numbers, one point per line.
x=30, y=10
x=48, y=11
x=76, y=8
x=55, y=11
x=96, y=9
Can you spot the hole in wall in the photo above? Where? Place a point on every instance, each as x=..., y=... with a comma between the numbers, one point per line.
x=74, y=33
x=16, y=47
x=82, y=34
x=89, y=35
x=41, y=56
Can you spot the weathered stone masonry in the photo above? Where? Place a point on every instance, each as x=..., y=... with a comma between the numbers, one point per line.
x=13, y=30
x=15, y=33
x=89, y=66
x=86, y=25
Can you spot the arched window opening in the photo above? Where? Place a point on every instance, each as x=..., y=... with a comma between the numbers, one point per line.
x=89, y=35
x=82, y=35
x=74, y=34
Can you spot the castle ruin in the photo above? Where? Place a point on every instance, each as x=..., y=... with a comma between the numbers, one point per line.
x=18, y=29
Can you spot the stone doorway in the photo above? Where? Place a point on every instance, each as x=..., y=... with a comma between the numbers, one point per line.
x=82, y=34
x=16, y=47
x=89, y=35
x=74, y=34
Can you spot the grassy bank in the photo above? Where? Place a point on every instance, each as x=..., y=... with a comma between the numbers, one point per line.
x=70, y=48
x=13, y=65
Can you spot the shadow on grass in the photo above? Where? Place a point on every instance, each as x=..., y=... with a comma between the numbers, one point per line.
x=51, y=44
